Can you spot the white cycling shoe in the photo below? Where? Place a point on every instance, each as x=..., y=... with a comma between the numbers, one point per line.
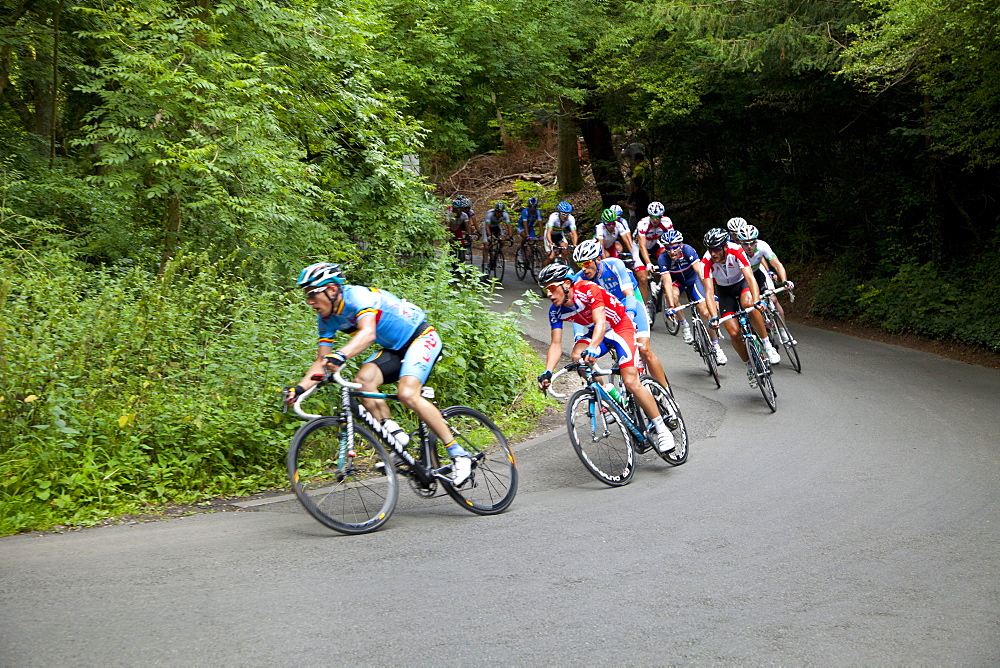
x=461, y=469
x=720, y=356
x=664, y=443
x=686, y=333
x=772, y=355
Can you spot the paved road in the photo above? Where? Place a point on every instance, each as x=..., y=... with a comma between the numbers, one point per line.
x=860, y=524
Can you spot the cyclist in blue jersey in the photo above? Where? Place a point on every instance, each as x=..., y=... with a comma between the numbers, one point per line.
x=612, y=275
x=683, y=264
x=530, y=216
x=410, y=347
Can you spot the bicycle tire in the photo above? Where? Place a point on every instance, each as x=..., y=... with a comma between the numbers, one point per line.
x=790, y=347
x=762, y=369
x=484, y=263
x=703, y=344
x=360, y=503
x=670, y=412
x=671, y=322
x=521, y=263
x=500, y=265
x=493, y=484
x=604, y=447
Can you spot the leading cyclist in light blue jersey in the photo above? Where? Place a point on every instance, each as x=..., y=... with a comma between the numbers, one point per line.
x=612, y=275
x=410, y=347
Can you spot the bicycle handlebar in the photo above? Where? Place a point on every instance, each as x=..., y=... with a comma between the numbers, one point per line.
x=327, y=378
x=768, y=293
x=573, y=366
x=748, y=309
x=684, y=306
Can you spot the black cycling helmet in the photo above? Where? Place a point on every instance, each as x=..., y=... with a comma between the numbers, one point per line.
x=554, y=273
x=532, y=202
x=716, y=238
x=499, y=206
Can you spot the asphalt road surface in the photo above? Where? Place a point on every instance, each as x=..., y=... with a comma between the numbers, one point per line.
x=860, y=524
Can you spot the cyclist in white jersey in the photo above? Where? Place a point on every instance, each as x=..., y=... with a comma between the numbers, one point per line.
x=560, y=223
x=613, y=233
x=648, y=233
x=761, y=257
x=496, y=222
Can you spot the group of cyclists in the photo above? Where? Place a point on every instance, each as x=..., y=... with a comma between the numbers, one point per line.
x=599, y=300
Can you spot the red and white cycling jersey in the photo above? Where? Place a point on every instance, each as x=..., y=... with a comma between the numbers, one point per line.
x=729, y=272
x=653, y=232
x=584, y=297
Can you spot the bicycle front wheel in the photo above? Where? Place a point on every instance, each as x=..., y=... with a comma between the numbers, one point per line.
x=671, y=414
x=600, y=439
x=493, y=483
x=354, y=494
x=787, y=342
x=520, y=264
x=671, y=322
x=500, y=266
x=762, y=369
x=703, y=345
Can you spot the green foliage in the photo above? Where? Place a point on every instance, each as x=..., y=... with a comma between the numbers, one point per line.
x=548, y=198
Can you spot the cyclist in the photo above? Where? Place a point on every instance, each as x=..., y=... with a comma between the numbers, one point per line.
x=530, y=215
x=608, y=325
x=648, y=233
x=726, y=272
x=684, y=266
x=760, y=256
x=612, y=275
x=561, y=222
x=613, y=232
x=734, y=225
x=460, y=218
x=410, y=347
x=496, y=222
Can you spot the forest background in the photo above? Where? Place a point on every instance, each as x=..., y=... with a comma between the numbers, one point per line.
x=168, y=166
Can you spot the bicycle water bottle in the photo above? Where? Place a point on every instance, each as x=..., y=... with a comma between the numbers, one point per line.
x=616, y=395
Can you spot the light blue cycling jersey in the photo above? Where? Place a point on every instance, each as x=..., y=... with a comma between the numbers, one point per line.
x=396, y=319
x=612, y=276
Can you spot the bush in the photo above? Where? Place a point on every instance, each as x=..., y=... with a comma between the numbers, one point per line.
x=120, y=390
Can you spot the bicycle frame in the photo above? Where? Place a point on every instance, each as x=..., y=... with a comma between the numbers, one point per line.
x=350, y=392
x=593, y=372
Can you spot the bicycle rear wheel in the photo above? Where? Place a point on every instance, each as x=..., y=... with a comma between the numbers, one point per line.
x=762, y=369
x=600, y=439
x=671, y=413
x=355, y=498
x=703, y=344
x=784, y=337
x=493, y=483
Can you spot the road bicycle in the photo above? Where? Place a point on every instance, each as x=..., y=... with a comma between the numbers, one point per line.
x=494, y=262
x=345, y=468
x=702, y=342
x=759, y=363
x=528, y=259
x=654, y=304
x=463, y=248
x=777, y=330
x=607, y=435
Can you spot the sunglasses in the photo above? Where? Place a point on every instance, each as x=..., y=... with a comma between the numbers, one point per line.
x=748, y=243
x=676, y=248
x=588, y=263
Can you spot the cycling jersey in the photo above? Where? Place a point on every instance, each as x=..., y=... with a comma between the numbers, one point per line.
x=729, y=271
x=653, y=231
x=457, y=221
x=584, y=297
x=614, y=276
x=492, y=222
x=561, y=226
x=763, y=251
x=396, y=319
x=682, y=268
x=608, y=236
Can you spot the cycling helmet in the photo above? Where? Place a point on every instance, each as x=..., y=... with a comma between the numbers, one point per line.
x=317, y=276
x=608, y=216
x=655, y=209
x=500, y=206
x=747, y=233
x=554, y=273
x=716, y=238
x=734, y=225
x=672, y=237
x=564, y=207
x=532, y=202
x=588, y=250
x=617, y=209
x=456, y=203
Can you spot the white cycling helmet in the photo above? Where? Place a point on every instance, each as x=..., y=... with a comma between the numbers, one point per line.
x=655, y=209
x=617, y=209
x=588, y=250
x=734, y=225
x=747, y=233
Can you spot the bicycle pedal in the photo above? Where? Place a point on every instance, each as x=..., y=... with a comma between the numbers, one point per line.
x=671, y=423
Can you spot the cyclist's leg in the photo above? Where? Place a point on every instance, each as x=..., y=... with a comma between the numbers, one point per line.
x=371, y=376
x=417, y=362
x=756, y=319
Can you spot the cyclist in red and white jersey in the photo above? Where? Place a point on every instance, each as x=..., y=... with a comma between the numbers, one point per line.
x=608, y=326
x=648, y=233
x=727, y=275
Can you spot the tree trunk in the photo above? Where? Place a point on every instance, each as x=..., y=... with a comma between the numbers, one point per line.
x=568, y=161
x=603, y=161
x=172, y=225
